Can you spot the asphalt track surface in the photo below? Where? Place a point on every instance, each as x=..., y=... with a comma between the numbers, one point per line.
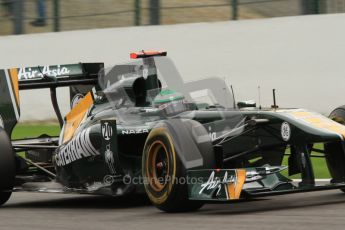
x=32, y=211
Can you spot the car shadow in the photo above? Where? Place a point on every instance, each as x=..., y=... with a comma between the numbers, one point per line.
x=258, y=205
x=82, y=202
x=301, y=201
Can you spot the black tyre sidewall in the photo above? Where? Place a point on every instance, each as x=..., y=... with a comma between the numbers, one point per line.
x=7, y=167
x=334, y=152
x=176, y=199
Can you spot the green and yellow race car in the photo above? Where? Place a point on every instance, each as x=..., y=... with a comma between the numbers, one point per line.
x=139, y=128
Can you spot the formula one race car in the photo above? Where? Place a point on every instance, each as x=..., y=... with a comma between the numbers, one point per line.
x=139, y=128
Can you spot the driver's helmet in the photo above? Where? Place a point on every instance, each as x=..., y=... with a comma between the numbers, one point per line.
x=170, y=100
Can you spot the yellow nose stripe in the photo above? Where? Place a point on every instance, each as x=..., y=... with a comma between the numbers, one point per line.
x=319, y=121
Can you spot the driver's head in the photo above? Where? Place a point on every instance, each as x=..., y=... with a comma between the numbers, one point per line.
x=171, y=102
x=168, y=96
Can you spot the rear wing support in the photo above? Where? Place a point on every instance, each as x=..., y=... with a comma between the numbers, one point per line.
x=56, y=105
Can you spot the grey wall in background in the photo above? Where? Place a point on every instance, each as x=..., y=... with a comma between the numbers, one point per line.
x=302, y=57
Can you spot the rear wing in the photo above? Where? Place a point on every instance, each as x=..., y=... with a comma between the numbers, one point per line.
x=56, y=75
x=80, y=77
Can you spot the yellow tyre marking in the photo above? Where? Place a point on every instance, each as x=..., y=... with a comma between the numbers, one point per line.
x=151, y=164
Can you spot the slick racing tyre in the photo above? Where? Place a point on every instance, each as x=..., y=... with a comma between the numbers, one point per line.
x=7, y=167
x=163, y=168
x=334, y=152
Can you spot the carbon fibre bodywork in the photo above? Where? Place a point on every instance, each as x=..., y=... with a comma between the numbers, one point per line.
x=92, y=172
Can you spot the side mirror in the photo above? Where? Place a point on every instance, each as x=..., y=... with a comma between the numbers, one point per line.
x=246, y=104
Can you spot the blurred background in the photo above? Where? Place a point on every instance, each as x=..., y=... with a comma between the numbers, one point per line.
x=300, y=56
x=37, y=16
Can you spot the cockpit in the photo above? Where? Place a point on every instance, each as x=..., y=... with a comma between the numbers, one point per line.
x=152, y=84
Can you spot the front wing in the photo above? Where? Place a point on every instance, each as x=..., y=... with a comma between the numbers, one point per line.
x=224, y=185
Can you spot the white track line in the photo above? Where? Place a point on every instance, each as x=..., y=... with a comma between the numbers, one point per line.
x=316, y=180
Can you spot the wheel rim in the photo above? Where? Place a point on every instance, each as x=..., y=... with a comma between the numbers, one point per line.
x=158, y=166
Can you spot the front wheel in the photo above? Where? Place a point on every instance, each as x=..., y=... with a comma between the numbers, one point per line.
x=163, y=168
x=334, y=152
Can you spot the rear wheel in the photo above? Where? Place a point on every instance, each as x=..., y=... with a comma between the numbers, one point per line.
x=334, y=152
x=164, y=171
x=7, y=167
